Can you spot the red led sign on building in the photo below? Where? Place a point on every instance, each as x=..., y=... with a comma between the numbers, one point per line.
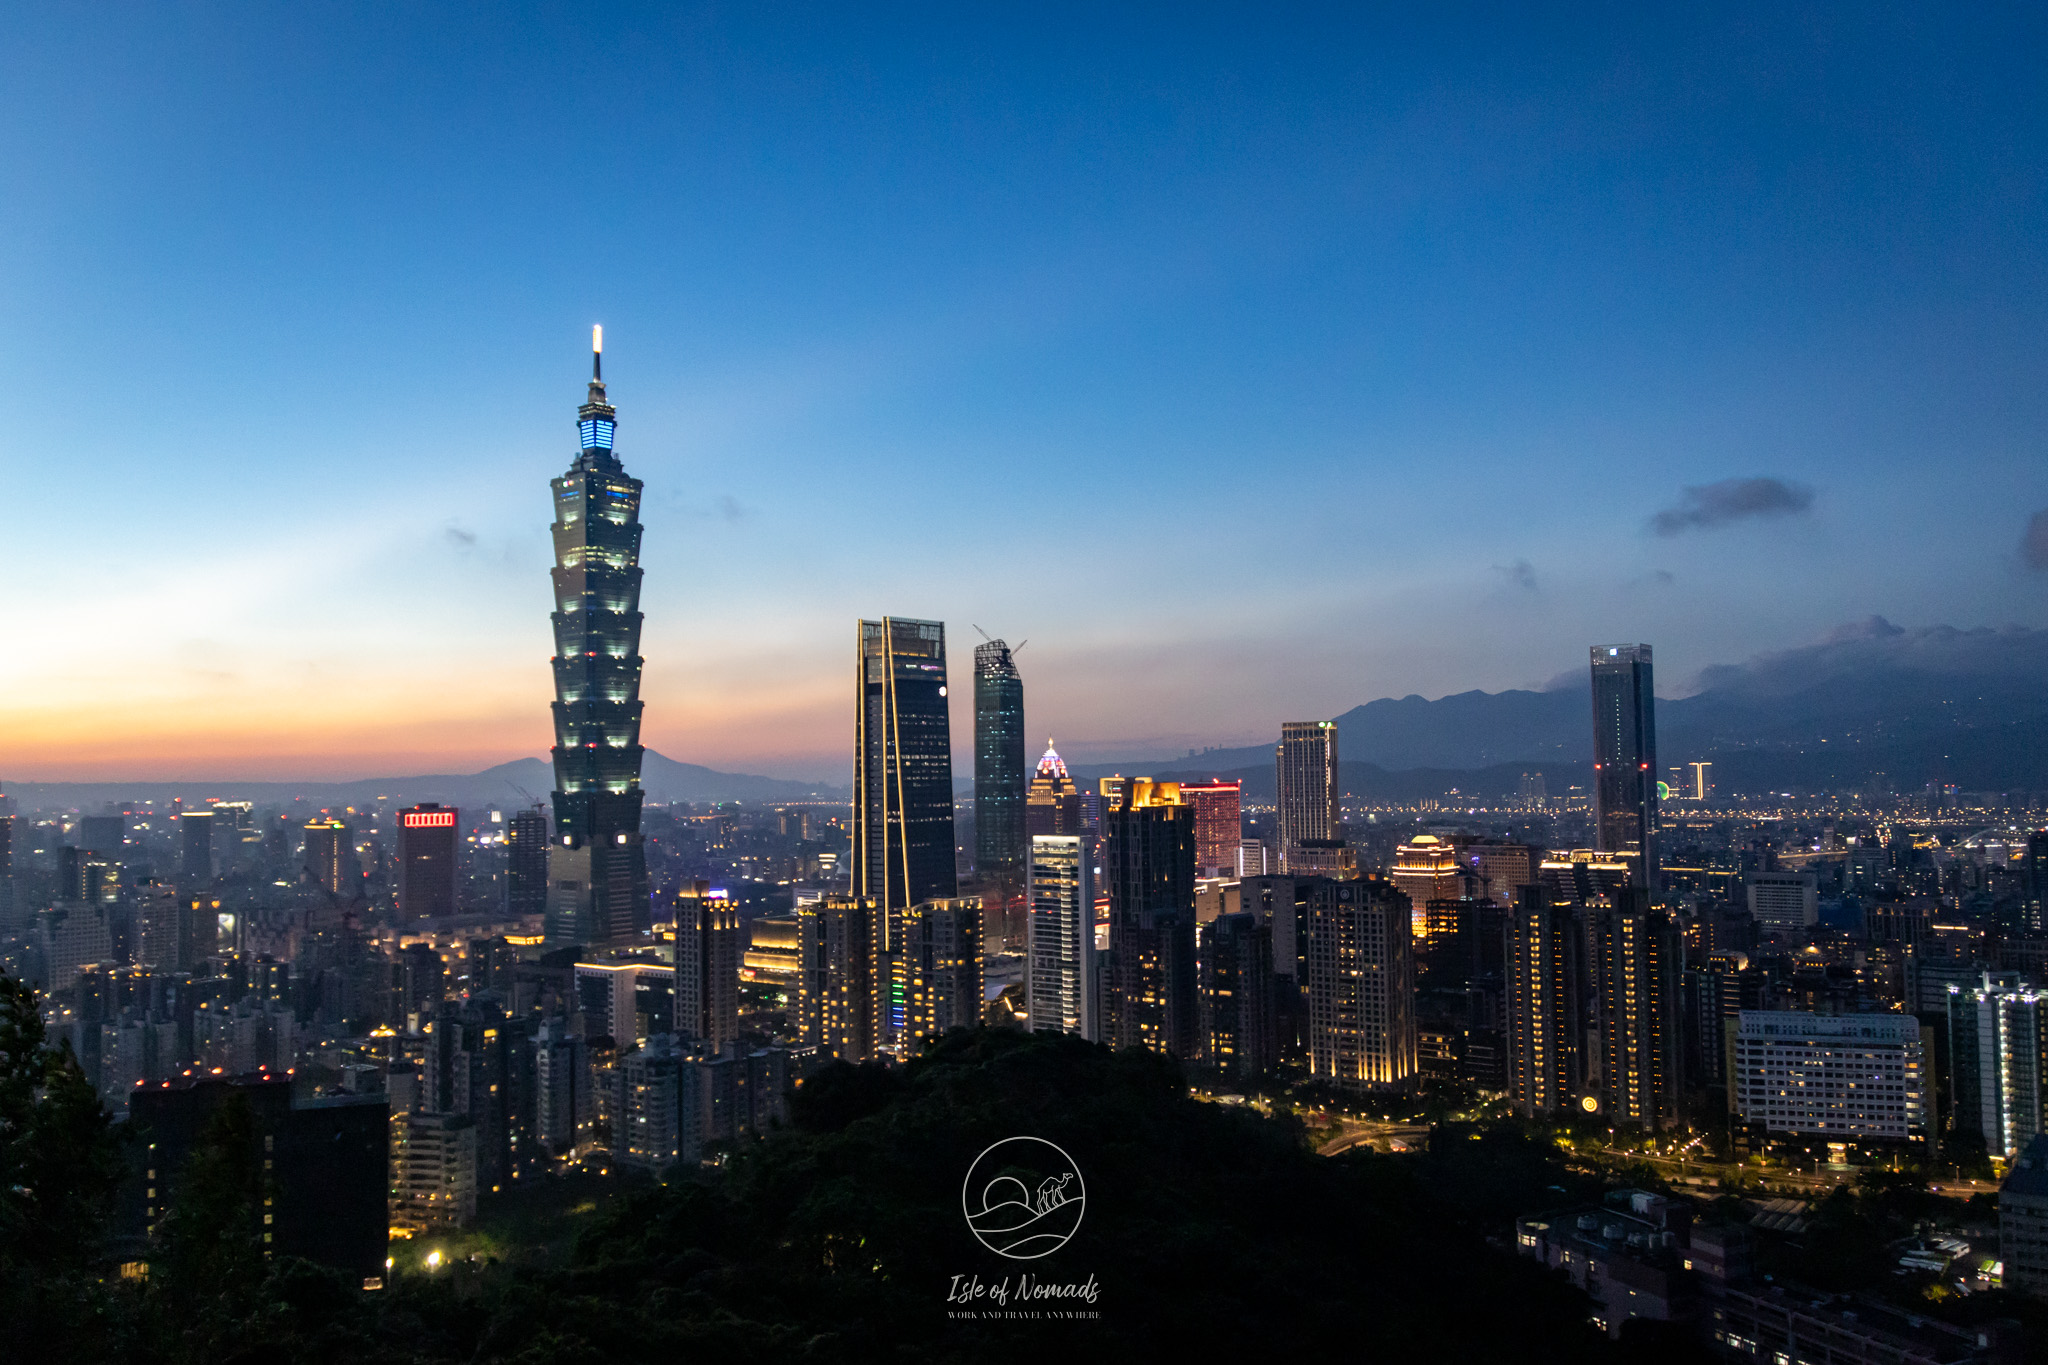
x=432, y=819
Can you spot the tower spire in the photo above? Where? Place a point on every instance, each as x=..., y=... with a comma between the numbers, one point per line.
x=597, y=353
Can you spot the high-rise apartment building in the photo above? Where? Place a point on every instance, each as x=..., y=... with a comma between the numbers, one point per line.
x=1219, y=825
x=1361, y=984
x=937, y=970
x=1052, y=804
x=526, y=862
x=1238, y=1003
x=1060, y=983
x=707, y=960
x=597, y=874
x=835, y=996
x=999, y=837
x=428, y=839
x=1152, y=999
x=1625, y=756
x=1550, y=1009
x=903, y=845
x=1638, y=972
x=1998, y=1062
x=8, y=922
x=331, y=856
x=1305, y=769
x=195, y=837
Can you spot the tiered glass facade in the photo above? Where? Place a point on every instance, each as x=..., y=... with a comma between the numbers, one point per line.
x=598, y=866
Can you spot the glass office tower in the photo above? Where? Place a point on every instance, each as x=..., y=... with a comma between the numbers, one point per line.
x=903, y=840
x=1625, y=758
x=597, y=866
x=999, y=839
x=903, y=768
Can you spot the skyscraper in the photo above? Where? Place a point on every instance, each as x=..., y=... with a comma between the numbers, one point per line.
x=428, y=835
x=1625, y=757
x=1238, y=1005
x=1998, y=1051
x=836, y=982
x=1052, y=804
x=195, y=829
x=999, y=839
x=331, y=856
x=1640, y=1043
x=1427, y=869
x=1219, y=825
x=903, y=850
x=1060, y=975
x=938, y=970
x=526, y=861
x=707, y=961
x=1306, y=780
x=597, y=868
x=1153, y=996
x=1361, y=985
x=1548, y=1005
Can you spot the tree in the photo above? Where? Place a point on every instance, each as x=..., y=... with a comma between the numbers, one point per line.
x=60, y=1165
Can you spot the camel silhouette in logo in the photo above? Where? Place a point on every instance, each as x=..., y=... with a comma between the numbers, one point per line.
x=1052, y=1192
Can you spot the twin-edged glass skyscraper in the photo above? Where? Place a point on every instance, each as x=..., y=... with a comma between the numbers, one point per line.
x=597, y=865
x=902, y=769
x=1625, y=757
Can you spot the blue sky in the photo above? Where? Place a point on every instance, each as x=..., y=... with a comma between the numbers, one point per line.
x=1251, y=363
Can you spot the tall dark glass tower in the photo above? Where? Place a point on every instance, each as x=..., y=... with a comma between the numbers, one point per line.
x=999, y=839
x=597, y=865
x=1625, y=757
x=902, y=772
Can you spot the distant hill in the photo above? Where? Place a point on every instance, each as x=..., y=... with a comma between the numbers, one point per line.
x=517, y=783
x=1871, y=705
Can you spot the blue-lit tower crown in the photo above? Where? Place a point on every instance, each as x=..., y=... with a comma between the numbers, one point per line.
x=597, y=665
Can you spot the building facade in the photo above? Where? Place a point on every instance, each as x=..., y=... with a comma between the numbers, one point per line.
x=1361, y=985
x=903, y=839
x=1640, y=959
x=330, y=862
x=1998, y=1062
x=835, y=995
x=1846, y=1078
x=1148, y=867
x=1625, y=756
x=999, y=837
x=1238, y=1004
x=597, y=873
x=1785, y=904
x=1305, y=773
x=1060, y=984
x=707, y=961
x=429, y=839
x=1549, y=1005
x=526, y=862
x=1219, y=825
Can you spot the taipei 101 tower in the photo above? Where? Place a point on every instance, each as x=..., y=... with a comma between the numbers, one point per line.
x=597, y=865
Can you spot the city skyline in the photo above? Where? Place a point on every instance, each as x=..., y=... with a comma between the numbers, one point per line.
x=1736, y=349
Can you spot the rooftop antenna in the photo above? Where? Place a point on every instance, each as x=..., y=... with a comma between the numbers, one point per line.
x=597, y=351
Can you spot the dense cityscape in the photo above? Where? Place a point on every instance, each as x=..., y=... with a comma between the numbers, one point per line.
x=1338, y=683
x=1748, y=1007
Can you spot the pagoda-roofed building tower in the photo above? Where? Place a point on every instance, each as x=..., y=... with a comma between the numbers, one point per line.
x=597, y=865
